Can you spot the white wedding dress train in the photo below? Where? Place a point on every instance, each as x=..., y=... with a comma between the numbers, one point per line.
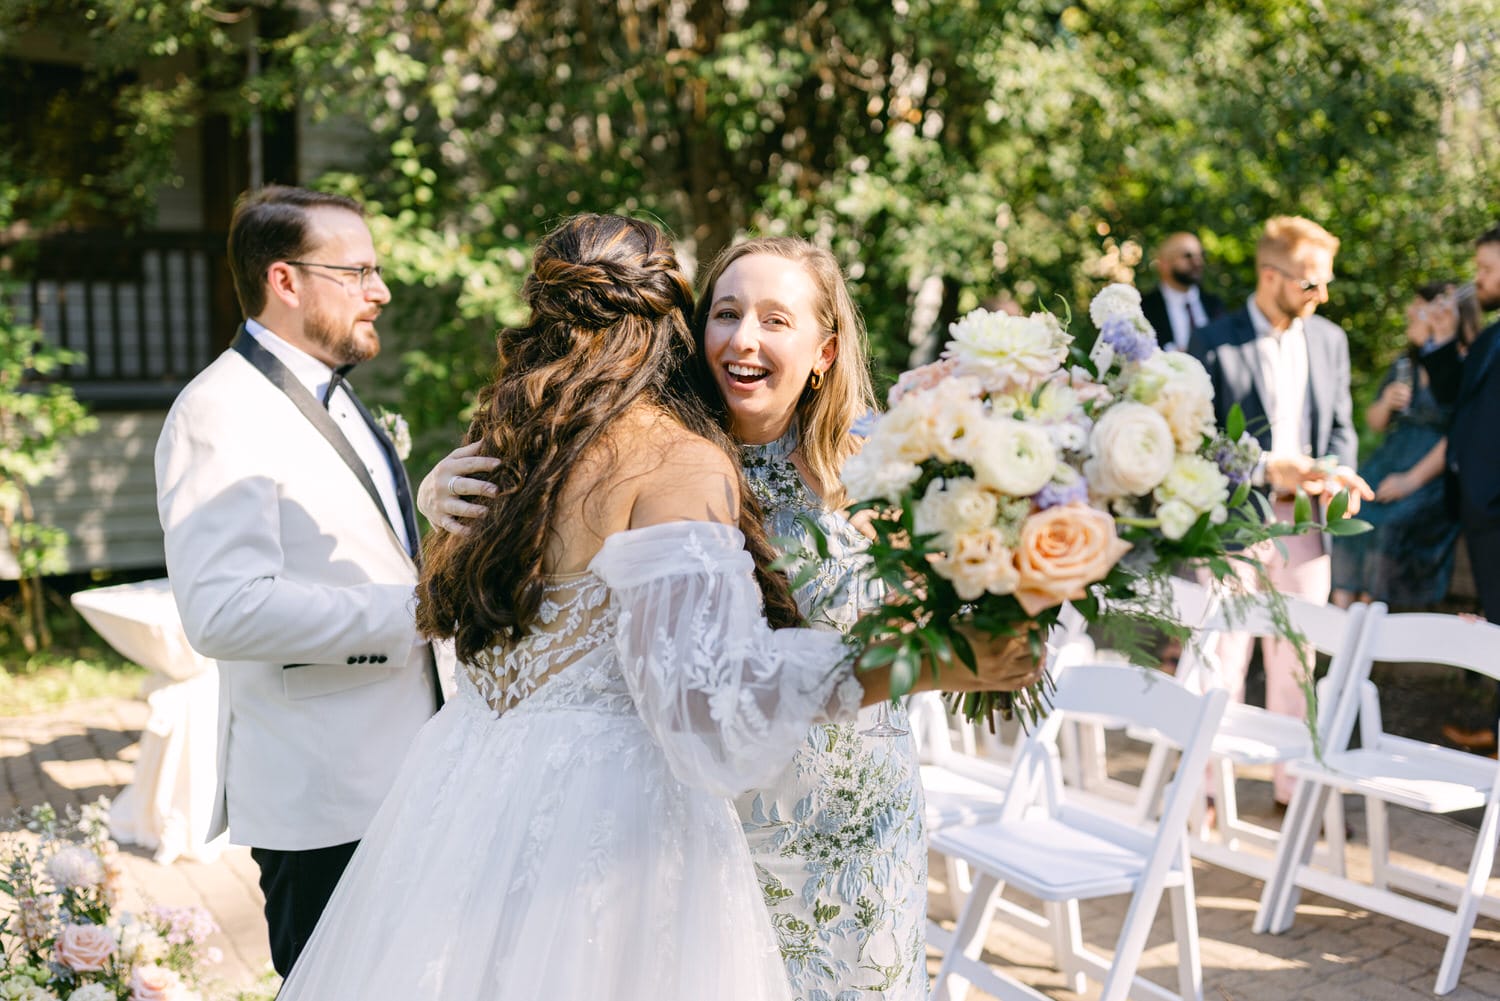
x=561, y=829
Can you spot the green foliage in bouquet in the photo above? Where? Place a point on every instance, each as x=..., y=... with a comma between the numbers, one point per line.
x=1023, y=472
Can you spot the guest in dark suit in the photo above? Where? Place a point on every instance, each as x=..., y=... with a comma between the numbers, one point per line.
x=1178, y=305
x=1472, y=384
x=1288, y=369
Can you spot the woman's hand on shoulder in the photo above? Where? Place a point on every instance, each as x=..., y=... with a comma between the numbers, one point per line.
x=441, y=495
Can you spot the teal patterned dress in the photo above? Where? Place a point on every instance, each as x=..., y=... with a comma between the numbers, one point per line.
x=838, y=841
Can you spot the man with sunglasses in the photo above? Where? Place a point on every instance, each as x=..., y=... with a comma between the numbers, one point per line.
x=1288, y=369
x=291, y=544
x=1179, y=304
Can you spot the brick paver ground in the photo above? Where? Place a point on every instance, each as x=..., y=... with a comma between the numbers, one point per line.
x=1332, y=953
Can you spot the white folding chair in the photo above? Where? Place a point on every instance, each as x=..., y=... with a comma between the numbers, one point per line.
x=1061, y=852
x=1389, y=769
x=1250, y=736
x=964, y=777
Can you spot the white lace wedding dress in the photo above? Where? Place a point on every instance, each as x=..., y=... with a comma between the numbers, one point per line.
x=561, y=829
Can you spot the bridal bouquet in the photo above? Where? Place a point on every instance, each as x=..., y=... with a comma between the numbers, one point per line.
x=61, y=937
x=1020, y=472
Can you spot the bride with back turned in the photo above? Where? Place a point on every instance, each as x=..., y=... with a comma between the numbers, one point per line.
x=562, y=828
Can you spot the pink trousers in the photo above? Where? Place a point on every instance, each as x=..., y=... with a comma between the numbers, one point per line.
x=1306, y=573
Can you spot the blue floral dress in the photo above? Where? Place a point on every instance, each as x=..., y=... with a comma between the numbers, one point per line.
x=838, y=841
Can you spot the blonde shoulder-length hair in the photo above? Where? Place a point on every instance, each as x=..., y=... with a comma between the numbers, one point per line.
x=826, y=415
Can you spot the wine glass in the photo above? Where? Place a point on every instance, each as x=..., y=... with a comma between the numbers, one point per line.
x=883, y=726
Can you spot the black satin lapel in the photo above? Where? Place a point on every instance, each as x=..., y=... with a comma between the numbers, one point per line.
x=281, y=377
x=398, y=471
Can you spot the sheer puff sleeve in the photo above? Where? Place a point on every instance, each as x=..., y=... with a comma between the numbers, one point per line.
x=728, y=698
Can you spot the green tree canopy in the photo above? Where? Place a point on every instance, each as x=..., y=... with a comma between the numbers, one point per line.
x=944, y=149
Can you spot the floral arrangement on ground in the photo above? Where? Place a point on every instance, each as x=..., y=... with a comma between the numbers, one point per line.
x=1024, y=470
x=61, y=934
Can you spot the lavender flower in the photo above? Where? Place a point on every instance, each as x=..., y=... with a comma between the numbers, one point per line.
x=1055, y=494
x=1129, y=342
x=1236, y=460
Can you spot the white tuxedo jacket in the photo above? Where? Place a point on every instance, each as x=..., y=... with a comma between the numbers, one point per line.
x=286, y=571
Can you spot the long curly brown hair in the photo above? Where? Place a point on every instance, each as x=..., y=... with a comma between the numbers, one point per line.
x=608, y=329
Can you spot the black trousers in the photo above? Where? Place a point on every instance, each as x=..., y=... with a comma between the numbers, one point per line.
x=297, y=886
x=1484, y=559
x=1483, y=541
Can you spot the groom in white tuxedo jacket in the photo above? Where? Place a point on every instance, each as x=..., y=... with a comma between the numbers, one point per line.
x=291, y=545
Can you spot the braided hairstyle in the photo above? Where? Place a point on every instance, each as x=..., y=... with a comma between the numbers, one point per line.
x=608, y=329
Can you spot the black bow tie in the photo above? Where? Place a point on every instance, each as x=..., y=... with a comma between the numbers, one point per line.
x=340, y=374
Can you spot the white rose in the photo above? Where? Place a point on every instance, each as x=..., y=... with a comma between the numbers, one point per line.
x=957, y=420
x=908, y=431
x=1170, y=370
x=1013, y=457
x=139, y=942
x=1195, y=482
x=22, y=989
x=1132, y=451
x=979, y=562
x=954, y=507
x=1005, y=351
x=75, y=868
x=871, y=474
x=1115, y=300
x=92, y=992
x=1056, y=401
x=1189, y=415
x=1069, y=436
x=1176, y=518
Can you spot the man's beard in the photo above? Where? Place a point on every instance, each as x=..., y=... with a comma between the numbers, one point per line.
x=1298, y=309
x=343, y=344
x=1183, y=276
x=1487, y=302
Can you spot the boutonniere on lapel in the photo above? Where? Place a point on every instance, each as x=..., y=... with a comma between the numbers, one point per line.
x=394, y=425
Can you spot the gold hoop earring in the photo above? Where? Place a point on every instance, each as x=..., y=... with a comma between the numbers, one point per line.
x=816, y=382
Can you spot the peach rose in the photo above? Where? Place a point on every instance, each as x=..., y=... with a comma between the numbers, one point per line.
x=154, y=983
x=85, y=948
x=979, y=562
x=1063, y=550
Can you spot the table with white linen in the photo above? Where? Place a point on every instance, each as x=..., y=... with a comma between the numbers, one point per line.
x=168, y=805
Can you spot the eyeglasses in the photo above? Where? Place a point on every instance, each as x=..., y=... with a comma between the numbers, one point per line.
x=1305, y=284
x=363, y=272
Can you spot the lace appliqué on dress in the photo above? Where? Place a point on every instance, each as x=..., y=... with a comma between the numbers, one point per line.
x=575, y=619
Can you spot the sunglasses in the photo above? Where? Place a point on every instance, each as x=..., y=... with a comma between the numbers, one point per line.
x=1305, y=284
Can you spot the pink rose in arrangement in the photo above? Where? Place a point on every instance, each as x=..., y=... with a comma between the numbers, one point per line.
x=154, y=983
x=85, y=948
x=922, y=378
x=1063, y=550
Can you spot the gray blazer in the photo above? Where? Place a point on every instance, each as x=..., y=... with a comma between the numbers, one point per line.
x=1226, y=348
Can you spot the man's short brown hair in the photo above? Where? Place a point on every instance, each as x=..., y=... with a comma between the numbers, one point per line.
x=270, y=225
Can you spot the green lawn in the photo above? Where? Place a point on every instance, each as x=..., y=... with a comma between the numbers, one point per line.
x=79, y=665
